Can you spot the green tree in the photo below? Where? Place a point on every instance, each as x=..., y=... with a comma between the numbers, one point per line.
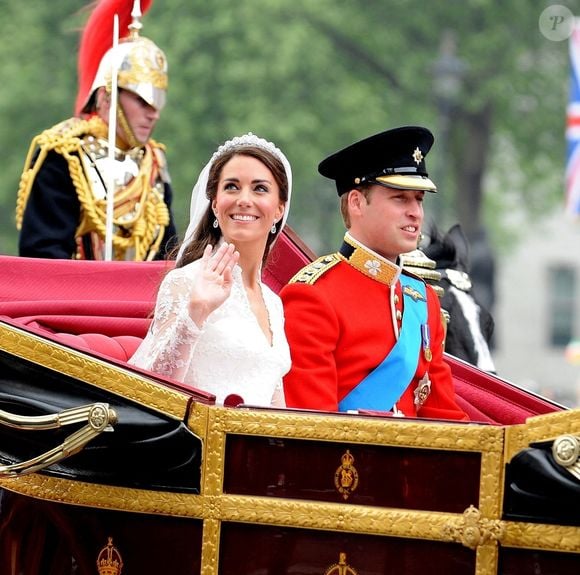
x=316, y=76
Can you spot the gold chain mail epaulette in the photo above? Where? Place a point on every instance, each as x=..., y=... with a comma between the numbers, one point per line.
x=419, y=265
x=314, y=270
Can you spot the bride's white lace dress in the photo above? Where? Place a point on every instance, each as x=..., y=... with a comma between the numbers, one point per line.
x=230, y=353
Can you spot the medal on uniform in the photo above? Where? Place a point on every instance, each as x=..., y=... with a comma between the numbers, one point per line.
x=426, y=340
x=422, y=390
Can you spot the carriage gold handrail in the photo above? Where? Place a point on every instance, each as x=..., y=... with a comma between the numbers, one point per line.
x=99, y=417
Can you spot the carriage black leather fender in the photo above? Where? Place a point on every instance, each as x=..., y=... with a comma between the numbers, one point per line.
x=147, y=449
x=538, y=488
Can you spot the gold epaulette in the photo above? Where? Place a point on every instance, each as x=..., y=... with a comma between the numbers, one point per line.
x=413, y=274
x=314, y=270
x=66, y=135
x=64, y=138
x=418, y=273
x=69, y=128
x=417, y=264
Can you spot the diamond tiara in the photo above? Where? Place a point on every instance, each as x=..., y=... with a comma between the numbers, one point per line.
x=246, y=140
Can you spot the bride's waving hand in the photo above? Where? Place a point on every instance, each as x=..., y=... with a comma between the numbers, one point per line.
x=212, y=286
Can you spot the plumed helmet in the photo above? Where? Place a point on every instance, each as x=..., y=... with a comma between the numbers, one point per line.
x=141, y=64
x=142, y=69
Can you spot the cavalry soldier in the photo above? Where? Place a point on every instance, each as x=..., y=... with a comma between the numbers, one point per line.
x=364, y=333
x=61, y=207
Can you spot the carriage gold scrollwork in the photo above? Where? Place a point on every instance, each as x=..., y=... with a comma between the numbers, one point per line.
x=346, y=476
x=475, y=530
x=340, y=568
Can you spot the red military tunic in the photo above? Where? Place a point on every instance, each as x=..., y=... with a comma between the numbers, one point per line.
x=343, y=316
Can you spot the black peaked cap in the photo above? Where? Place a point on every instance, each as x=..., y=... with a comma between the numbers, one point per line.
x=395, y=158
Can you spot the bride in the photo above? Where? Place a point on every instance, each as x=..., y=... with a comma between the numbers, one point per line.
x=216, y=326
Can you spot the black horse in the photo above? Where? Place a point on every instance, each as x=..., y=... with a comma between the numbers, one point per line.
x=470, y=325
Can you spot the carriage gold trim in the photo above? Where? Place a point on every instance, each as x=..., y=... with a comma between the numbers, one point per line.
x=222, y=503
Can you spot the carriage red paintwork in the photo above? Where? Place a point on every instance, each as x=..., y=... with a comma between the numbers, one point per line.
x=161, y=480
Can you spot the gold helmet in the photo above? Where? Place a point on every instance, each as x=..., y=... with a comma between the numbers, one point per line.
x=140, y=63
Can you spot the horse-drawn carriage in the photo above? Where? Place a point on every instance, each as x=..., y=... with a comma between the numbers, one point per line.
x=107, y=469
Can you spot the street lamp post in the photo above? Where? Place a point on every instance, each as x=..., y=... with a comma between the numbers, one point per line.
x=448, y=72
x=448, y=75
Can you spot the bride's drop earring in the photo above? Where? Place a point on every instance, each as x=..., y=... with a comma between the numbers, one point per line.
x=216, y=224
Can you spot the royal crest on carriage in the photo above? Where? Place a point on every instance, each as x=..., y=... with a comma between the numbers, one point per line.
x=340, y=568
x=109, y=561
x=346, y=476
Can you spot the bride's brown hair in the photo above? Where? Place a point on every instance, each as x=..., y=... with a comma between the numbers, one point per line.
x=205, y=233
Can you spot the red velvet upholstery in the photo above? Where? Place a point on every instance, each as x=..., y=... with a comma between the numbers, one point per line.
x=109, y=298
x=288, y=256
x=105, y=307
x=490, y=399
x=120, y=347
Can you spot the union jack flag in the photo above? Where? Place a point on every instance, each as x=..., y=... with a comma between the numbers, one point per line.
x=573, y=127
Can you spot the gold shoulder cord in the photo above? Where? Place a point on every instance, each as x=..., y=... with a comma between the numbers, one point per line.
x=152, y=218
x=66, y=139
x=314, y=270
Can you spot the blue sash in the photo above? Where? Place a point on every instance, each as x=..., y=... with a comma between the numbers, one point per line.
x=383, y=387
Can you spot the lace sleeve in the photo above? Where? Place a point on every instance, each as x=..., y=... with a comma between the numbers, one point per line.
x=168, y=347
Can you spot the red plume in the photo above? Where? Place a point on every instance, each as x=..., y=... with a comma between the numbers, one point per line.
x=97, y=38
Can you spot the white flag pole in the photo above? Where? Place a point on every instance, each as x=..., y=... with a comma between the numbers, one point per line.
x=112, y=142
